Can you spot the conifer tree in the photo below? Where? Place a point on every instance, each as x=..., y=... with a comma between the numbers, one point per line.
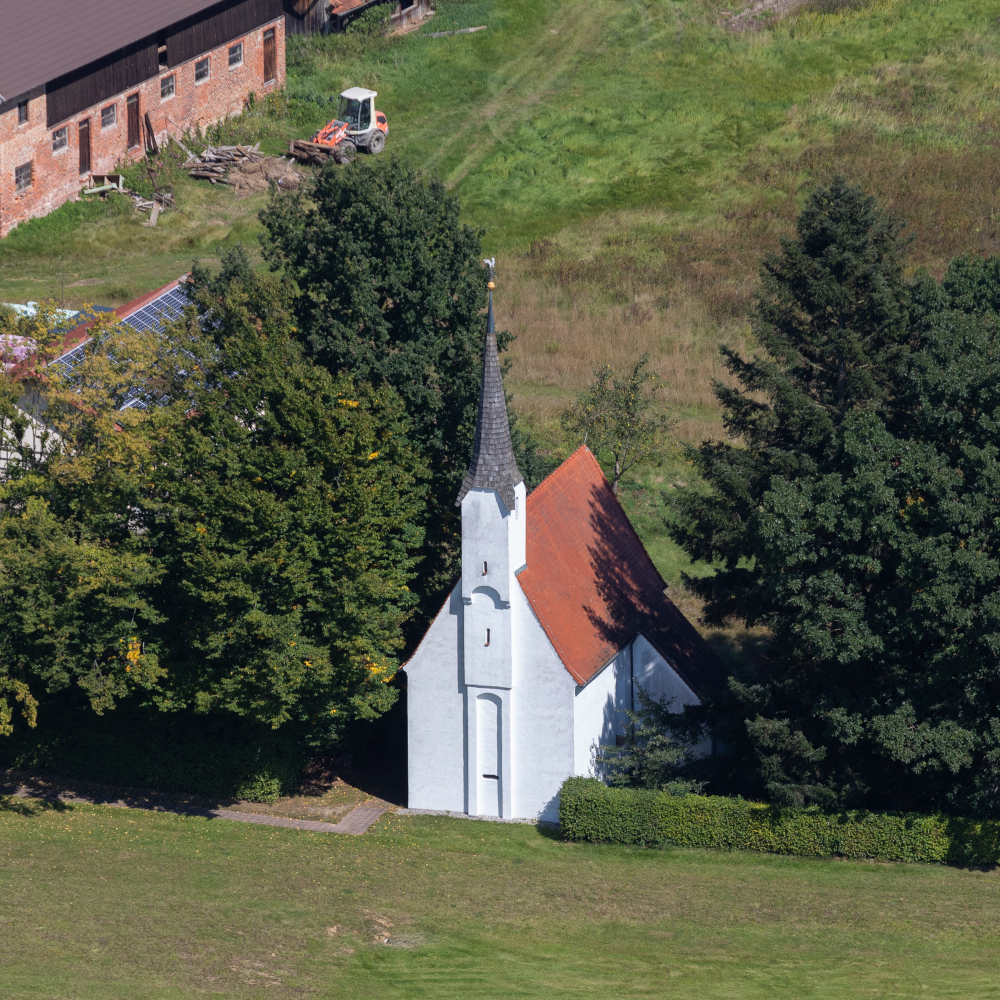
x=801, y=516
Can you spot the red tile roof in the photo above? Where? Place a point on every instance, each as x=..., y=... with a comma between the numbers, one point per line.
x=592, y=584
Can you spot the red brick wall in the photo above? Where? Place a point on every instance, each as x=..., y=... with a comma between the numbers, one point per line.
x=56, y=175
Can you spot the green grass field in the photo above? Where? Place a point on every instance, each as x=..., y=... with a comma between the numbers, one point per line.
x=629, y=160
x=109, y=903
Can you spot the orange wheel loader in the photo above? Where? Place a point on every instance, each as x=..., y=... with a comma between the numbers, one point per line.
x=358, y=123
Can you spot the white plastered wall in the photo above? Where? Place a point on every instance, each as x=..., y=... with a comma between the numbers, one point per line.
x=435, y=714
x=601, y=703
x=655, y=675
x=541, y=718
x=598, y=711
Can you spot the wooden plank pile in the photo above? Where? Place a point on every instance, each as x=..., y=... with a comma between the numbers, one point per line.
x=214, y=163
x=317, y=154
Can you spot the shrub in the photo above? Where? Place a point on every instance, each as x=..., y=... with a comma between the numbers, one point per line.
x=589, y=810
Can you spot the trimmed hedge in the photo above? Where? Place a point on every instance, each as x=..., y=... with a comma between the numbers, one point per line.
x=590, y=810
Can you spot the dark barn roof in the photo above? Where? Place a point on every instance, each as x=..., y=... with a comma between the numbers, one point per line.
x=46, y=39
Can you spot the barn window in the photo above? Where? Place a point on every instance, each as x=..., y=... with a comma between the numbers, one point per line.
x=22, y=112
x=161, y=55
x=167, y=88
x=235, y=55
x=23, y=176
x=202, y=70
x=109, y=116
x=60, y=138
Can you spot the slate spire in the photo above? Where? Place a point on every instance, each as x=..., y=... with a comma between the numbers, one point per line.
x=492, y=466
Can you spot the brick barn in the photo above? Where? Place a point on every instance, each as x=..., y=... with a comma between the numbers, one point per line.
x=86, y=87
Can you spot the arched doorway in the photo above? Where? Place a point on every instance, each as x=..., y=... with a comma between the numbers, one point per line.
x=488, y=755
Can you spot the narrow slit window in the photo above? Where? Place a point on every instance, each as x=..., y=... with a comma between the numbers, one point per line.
x=487, y=637
x=22, y=112
x=484, y=567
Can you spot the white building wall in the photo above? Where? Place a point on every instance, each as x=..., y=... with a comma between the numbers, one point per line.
x=435, y=715
x=544, y=724
x=653, y=673
x=598, y=711
x=541, y=729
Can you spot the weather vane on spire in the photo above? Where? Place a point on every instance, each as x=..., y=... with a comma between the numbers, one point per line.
x=491, y=266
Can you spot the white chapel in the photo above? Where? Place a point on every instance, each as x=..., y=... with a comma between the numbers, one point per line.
x=559, y=616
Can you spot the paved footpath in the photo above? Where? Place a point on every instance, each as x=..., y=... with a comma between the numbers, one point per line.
x=356, y=822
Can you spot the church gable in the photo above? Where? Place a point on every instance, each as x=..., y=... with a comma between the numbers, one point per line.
x=591, y=583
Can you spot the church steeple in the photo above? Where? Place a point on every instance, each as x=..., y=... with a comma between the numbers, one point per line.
x=493, y=466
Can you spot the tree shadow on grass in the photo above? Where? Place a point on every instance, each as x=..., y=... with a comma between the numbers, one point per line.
x=31, y=794
x=22, y=806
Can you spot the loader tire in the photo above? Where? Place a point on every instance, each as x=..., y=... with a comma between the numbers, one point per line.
x=344, y=152
x=376, y=143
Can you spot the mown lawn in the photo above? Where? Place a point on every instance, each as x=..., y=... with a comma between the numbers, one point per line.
x=100, y=902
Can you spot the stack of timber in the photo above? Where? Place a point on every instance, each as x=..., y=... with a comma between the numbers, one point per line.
x=214, y=163
x=317, y=154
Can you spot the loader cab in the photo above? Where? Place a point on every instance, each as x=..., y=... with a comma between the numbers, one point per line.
x=366, y=127
x=357, y=108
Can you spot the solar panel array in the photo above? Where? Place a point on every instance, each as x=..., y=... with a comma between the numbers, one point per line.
x=154, y=315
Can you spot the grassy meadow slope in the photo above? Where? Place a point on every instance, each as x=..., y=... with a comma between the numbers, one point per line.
x=104, y=903
x=629, y=160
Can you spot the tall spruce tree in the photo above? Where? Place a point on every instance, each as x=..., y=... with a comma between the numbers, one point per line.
x=818, y=521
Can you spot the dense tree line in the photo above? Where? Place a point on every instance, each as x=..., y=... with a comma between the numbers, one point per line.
x=258, y=539
x=243, y=544
x=854, y=515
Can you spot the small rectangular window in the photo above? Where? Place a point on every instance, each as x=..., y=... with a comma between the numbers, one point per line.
x=202, y=69
x=167, y=87
x=23, y=176
x=109, y=116
x=22, y=112
x=60, y=138
x=235, y=55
